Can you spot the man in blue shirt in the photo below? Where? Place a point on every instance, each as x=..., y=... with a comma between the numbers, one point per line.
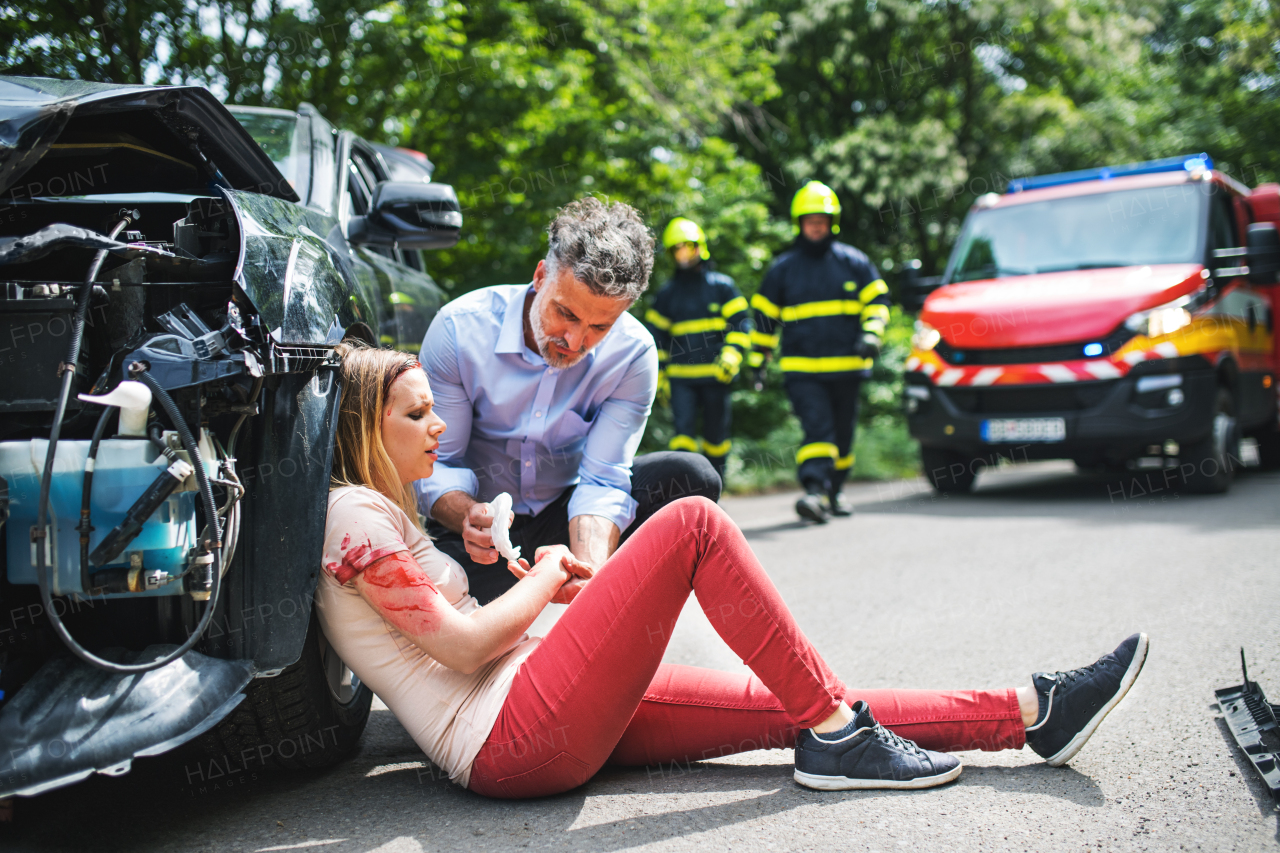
x=545, y=389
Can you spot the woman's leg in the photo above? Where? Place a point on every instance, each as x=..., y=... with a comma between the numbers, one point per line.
x=690, y=714
x=573, y=698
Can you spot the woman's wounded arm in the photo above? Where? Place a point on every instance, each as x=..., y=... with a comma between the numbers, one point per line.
x=402, y=594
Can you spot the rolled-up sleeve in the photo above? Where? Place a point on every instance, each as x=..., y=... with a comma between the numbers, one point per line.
x=439, y=359
x=604, y=485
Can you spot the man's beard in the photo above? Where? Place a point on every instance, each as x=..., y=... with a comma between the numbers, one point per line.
x=544, y=341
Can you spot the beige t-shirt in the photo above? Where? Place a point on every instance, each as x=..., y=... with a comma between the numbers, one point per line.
x=447, y=713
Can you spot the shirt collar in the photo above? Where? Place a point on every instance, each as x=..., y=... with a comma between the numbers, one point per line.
x=511, y=337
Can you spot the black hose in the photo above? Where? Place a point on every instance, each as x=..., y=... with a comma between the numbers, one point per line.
x=214, y=545
x=86, y=489
x=40, y=533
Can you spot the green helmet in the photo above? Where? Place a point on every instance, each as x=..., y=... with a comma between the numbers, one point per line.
x=816, y=197
x=681, y=230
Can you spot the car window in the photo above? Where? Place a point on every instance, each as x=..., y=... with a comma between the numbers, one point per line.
x=1222, y=226
x=286, y=137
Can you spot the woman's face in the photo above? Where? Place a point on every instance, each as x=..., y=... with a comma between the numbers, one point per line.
x=410, y=427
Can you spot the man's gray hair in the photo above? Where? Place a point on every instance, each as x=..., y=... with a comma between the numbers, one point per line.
x=606, y=247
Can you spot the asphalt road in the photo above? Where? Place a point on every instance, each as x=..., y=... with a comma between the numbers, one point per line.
x=1039, y=569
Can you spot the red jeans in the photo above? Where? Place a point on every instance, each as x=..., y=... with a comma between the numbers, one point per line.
x=596, y=691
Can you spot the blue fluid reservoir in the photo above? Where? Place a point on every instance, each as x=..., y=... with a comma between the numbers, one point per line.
x=122, y=471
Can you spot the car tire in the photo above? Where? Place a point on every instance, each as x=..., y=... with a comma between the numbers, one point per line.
x=948, y=471
x=311, y=715
x=1209, y=465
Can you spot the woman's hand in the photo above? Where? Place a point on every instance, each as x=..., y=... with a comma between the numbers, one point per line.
x=557, y=558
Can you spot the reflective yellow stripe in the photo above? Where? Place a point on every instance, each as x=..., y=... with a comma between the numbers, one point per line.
x=663, y=355
x=764, y=306
x=829, y=308
x=844, y=463
x=755, y=359
x=875, y=327
x=733, y=306
x=717, y=449
x=683, y=442
x=692, y=371
x=760, y=339
x=693, y=327
x=656, y=319
x=817, y=450
x=831, y=364
x=738, y=339
x=730, y=356
x=872, y=290
x=880, y=311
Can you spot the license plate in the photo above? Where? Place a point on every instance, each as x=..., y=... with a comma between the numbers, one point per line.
x=1024, y=429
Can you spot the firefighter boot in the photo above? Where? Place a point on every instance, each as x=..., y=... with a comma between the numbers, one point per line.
x=810, y=508
x=838, y=504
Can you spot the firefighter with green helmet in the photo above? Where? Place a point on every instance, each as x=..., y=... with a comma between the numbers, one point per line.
x=826, y=305
x=702, y=326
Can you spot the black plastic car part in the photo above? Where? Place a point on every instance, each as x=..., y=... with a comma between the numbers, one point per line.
x=1252, y=720
x=72, y=719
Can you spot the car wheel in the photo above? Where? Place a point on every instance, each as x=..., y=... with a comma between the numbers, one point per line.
x=1209, y=465
x=947, y=470
x=310, y=715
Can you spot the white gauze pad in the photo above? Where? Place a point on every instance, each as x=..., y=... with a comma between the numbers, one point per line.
x=501, y=530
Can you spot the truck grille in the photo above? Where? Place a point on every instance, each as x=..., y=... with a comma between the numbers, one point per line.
x=1013, y=400
x=1034, y=355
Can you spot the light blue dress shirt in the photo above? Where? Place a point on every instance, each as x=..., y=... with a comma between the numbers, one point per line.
x=515, y=424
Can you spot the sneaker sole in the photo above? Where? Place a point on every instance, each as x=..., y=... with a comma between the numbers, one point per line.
x=844, y=783
x=1077, y=743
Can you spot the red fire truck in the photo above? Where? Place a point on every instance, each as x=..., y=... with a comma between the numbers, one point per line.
x=1121, y=317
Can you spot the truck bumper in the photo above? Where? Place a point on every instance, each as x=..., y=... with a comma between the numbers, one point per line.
x=1105, y=421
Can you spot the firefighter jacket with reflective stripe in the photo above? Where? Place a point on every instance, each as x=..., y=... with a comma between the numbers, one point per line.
x=695, y=315
x=820, y=304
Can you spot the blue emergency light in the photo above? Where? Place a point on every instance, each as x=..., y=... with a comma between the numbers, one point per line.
x=1185, y=163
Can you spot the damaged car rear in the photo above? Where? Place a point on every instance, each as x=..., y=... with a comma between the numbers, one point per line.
x=176, y=275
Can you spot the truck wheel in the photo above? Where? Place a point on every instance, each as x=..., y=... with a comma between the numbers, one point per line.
x=1209, y=465
x=311, y=715
x=948, y=471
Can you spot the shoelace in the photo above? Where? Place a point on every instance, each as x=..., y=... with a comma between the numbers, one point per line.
x=895, y=741
x=1072, y=674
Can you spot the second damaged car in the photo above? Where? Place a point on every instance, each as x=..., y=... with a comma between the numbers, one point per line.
x=175, y=277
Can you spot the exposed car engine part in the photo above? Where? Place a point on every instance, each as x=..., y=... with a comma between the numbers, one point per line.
x=1253, y=723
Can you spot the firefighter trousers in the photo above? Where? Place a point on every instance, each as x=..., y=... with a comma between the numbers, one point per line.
x=712, y=399
x=828, y=412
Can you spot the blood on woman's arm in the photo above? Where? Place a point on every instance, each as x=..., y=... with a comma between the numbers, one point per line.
x=400, y=591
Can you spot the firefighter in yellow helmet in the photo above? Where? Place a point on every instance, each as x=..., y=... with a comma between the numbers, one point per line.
x=827, y=305
x=702, y=325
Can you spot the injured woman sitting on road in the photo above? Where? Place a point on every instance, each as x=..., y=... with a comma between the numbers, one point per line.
x=509, y=715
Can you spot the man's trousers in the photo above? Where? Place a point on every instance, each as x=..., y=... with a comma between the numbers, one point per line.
x=828, y=413
x=712, y=398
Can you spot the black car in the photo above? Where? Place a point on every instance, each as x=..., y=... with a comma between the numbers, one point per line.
x=176, y=275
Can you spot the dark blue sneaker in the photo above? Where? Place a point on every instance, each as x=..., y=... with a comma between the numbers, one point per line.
x=1073, y=704
x=864, y=754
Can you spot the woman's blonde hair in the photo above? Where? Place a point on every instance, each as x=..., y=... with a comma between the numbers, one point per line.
x=359, y=456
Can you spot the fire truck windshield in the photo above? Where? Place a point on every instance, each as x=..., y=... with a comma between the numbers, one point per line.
x=1156, y=225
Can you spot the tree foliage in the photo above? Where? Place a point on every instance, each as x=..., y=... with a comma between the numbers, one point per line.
x=714, y=109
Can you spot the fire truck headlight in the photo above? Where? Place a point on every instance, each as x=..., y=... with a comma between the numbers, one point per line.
x=1161, y=320
x=926, y=336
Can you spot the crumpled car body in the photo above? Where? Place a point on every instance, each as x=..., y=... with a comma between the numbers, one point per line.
x=231, y=276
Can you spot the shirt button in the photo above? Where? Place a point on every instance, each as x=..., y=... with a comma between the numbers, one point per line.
x=528, y=464
x=537, y=414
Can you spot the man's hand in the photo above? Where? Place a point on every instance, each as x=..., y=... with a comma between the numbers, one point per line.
x=463, y=514
x=869, y=346
x=727, y=364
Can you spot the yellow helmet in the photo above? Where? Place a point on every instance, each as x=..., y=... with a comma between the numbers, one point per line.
x=681, y=230
x=816, y=197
